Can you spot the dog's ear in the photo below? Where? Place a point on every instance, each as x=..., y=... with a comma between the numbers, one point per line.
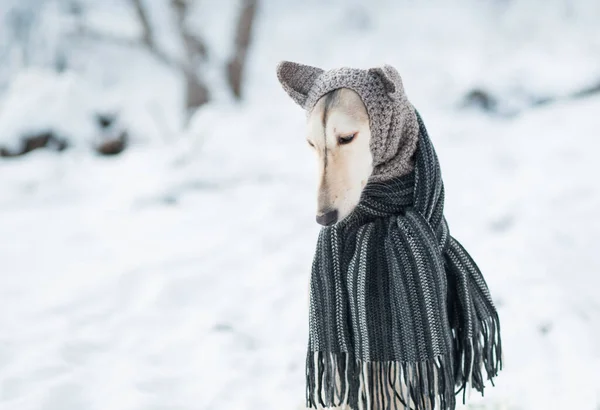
x=297, y=79
x=391, y=80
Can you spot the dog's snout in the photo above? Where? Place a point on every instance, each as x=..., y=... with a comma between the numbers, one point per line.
x=327, y=217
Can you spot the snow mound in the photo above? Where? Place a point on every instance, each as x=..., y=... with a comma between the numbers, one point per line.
x=41, y=101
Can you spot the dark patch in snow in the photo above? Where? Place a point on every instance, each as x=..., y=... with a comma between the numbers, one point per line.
x=113, y=145
x=43, y=139
x=503, y=223
x=223, y=327
x=105, y=120
x=169, y=200
x=481, y=99
x=545, y=328
x=486, y=101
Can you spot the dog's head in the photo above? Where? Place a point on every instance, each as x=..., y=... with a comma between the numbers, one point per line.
x=339, y=132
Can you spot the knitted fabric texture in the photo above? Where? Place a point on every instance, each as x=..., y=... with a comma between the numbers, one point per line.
x=392, y=118
x=400, y=315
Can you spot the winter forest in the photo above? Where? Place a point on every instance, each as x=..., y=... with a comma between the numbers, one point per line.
x=157, y=195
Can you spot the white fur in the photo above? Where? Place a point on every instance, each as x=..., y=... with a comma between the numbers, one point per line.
x=343, y=169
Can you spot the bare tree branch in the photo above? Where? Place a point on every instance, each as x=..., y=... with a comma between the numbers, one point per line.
x=193, y=45
x=148, y=38
x=147, y=32
x=91, y=34
x=197, y=93
x=194, y=49
x=196, y=45
x=235, y=67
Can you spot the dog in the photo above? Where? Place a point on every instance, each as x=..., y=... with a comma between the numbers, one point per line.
x=368, y=139
x=339, y=134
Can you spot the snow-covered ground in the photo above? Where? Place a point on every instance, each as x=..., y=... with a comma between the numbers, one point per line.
x=175, y=276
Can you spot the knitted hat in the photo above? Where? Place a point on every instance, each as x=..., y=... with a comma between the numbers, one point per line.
x=392, y=118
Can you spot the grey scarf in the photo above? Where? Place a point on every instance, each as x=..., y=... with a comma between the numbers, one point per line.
x=400, y=315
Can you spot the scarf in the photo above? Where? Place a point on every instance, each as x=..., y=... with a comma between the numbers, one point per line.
x=400, y=314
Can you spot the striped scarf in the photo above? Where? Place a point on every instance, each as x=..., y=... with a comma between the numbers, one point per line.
x=400, y=315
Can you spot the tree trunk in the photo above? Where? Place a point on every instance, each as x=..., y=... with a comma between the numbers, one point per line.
x=197, y=93
x=235, y=67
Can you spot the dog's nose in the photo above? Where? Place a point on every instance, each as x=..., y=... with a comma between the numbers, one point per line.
x=328, y=217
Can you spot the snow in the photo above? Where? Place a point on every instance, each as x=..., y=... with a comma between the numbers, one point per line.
x=40, y=101
x=175, y=275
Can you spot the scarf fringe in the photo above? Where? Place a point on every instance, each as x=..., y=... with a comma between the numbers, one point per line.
x=482, y=352
x=337, y=380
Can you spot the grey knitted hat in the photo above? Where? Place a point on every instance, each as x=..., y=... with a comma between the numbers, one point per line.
x=393, y=120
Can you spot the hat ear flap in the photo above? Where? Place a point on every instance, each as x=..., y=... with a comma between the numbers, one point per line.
x=391, y=80
x=297, y=79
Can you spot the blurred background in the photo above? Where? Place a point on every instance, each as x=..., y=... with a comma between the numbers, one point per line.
x=157, y=196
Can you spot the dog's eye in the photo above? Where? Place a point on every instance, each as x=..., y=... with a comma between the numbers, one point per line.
x=346, y=139
x=310, y=143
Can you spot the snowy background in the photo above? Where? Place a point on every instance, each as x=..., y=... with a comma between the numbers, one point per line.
x=174, y=275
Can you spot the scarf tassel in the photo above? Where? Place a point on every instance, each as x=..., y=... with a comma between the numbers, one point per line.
x=479, y=353
x=338, y=380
